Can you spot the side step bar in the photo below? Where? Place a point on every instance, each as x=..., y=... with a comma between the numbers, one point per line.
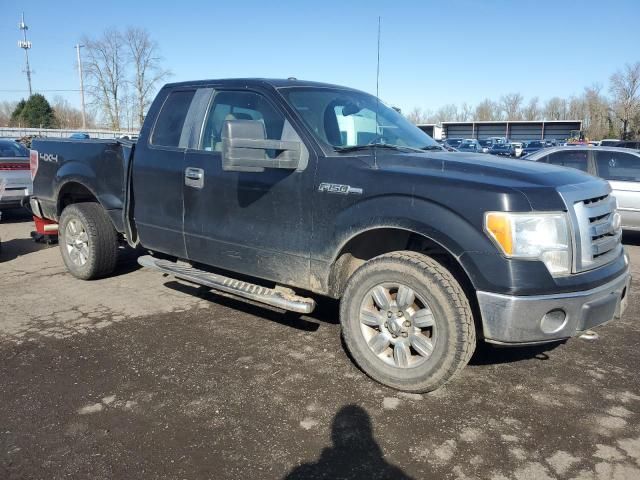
x=269, y=296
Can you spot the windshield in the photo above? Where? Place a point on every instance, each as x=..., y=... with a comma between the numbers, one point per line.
x=346, y=118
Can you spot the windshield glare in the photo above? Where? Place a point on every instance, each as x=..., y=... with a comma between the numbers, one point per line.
x=345, y=118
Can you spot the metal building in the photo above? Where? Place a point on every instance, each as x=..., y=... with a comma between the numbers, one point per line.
x=513, y=130
x=431, y=129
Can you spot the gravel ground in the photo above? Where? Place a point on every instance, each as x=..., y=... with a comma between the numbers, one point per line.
x=140, y=376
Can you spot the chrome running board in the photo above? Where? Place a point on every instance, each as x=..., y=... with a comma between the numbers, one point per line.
x=276, y=298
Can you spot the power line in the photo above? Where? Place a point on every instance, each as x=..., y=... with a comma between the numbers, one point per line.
x=49, y=90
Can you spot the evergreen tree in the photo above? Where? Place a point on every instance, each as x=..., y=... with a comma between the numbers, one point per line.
x=17, y=112
x=35, y=112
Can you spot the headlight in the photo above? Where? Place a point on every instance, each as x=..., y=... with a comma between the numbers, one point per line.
x=538, y=236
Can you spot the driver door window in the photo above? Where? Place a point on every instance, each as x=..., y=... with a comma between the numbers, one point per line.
x=236, y=105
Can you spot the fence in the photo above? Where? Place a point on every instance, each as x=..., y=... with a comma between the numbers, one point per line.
x=17, y=132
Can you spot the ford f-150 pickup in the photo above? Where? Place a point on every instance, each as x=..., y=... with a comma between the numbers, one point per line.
x=281, y=190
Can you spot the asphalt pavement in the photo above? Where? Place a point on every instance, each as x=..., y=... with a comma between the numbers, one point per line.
x=140, y=376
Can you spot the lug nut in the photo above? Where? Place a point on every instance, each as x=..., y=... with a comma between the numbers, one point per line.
x=405, y=334
x=407, y=323
x=389, y=314
x=400, y=314
x=394, y=335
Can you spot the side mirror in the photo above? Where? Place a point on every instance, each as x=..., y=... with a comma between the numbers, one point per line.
x=245, y=148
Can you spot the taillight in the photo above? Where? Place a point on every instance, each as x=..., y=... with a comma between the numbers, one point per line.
x=12, y=167
x=33, y=163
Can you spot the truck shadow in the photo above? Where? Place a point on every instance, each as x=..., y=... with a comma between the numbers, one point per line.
x=15, y=215
x=487, y=354
x=631, y=238
x=289, y=319
x=17, y=247
x=326, y=311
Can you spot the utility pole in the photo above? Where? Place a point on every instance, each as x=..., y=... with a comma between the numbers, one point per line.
x=25, y=45
x=84, y=118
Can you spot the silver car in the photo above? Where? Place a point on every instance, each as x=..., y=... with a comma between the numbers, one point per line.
x=15, y=173
x=620, y=166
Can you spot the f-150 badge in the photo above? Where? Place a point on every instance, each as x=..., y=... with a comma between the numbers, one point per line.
x=337, y=188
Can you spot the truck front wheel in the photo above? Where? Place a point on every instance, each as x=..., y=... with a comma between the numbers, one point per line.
x=407, y=322
x=88, y=241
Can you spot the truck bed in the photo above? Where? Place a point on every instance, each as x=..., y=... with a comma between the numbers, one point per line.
x=66, y=167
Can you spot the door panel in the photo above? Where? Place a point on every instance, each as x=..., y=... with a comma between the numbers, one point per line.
x=622, y=169
x=158, y=178
x=254, y=223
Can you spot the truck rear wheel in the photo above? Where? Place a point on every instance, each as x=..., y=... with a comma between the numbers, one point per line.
x=88, y=241
x=407, y=322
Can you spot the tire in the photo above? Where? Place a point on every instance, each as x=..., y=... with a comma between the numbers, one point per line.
x=440, y=308
x=97, y=241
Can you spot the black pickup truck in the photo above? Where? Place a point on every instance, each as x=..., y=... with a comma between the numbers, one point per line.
x=279, y=190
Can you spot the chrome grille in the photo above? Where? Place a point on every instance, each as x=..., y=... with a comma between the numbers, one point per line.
x=598, y=233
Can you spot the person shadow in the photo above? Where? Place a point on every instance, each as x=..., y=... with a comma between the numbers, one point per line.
x=354, y=453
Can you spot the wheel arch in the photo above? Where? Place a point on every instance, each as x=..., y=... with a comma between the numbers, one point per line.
x=73, y=191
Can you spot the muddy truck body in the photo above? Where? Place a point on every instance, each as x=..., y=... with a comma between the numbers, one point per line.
x=282, y=190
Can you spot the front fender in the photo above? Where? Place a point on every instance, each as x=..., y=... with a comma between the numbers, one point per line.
x=453, y=232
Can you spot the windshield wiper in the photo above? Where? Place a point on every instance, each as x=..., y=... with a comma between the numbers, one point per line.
x=353, y=148
x=432, y=147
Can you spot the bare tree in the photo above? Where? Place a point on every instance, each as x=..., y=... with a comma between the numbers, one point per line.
x=511, y=105
x=68, y=116
x=6, y=109
x=446, y=113
x=465, y=113
x=596, y=120
x=145, y=57
x=532, y=110
x=625, y=90
x=487, y=110
x=555, y=109
x=416, y=116
x=105, y=66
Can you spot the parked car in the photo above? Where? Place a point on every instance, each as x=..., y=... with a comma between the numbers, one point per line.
x=486, y=144
x=609, y=142
x=550, y=142
x=502, y=149
x=632, y=144
x=453, y=142
x=14, y=173
x=262, y=188
x=470, y=145
x=532, y=146
x=495, y=140
x=620, y=166
x=516, y=149
x=79, y=136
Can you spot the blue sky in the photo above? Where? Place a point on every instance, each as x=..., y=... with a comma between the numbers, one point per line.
x=433, y=53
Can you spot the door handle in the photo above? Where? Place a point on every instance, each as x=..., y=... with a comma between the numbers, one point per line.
x=194, y=177
x=193, y=173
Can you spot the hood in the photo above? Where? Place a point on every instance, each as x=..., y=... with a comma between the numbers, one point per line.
x=537, y=181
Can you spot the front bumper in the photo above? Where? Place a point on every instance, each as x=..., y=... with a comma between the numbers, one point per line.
x=509, y=319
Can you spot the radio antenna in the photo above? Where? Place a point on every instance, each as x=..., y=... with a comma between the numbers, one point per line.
x=375, y=157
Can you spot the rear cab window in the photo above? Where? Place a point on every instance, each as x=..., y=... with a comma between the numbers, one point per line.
x=168, y=130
